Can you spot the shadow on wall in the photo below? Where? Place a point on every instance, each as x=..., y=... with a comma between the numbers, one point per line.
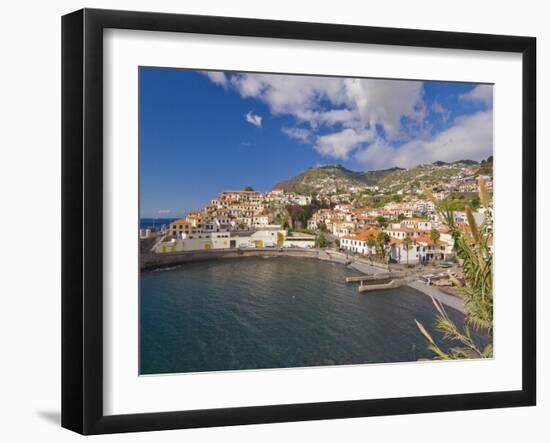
x=54, y=417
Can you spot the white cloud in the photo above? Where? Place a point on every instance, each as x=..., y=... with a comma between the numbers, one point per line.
x=217, y=77
x=385, y=102
x=343, y=116
x=254, y=119
x=300, y=134
x=470, y=138
x=378, y=155
x=438, y=108
x=289, y=94
x=382, y=123
x=481, y=93
x=340, y=144
x=352, y=103
x=164, y=211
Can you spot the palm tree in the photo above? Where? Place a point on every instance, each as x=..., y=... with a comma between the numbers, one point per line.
x=473, y=248
x=383, y=240
x=407, y=245
x=434, y=236
x=371, y=242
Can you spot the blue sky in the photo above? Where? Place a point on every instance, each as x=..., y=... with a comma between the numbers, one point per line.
x=203, y=132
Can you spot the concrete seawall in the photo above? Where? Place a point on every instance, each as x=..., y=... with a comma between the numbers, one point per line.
x=150, y=261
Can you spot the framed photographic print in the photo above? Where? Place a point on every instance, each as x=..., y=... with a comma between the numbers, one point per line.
x=269, y=221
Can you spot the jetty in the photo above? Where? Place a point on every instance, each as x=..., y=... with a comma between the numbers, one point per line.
x=377, y=287
x=381, y=276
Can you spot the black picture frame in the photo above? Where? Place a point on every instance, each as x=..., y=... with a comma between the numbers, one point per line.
x=82, y=218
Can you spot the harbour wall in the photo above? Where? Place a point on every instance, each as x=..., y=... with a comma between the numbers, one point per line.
x=150, y=261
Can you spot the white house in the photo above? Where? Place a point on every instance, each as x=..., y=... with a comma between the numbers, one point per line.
x=423, y=249
x=420, y=224
x=358, y=244
x=271, y=236
x=342, y=229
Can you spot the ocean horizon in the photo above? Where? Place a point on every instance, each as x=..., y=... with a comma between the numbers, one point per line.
x=148, y=222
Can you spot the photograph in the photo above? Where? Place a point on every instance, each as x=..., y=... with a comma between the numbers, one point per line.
x=274, y=217
x=299, y=220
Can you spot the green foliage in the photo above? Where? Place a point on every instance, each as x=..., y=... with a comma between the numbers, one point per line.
x=382, y=222
x=450, y=331
x=370, y=200
x=458, y=201
x=371, y=243
x=486, y=166
x=473, y=249
x=380, y=244
x=407, y=245
x=321, y=241
x=397, y=198
x=434, y=235
x=300, y=214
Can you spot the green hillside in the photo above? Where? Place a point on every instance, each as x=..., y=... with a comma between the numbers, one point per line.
x=331, y=179
x=335, y=179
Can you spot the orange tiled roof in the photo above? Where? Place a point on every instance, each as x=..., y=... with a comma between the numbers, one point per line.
x=427, y=240
x=401, y=230
x=364, y=235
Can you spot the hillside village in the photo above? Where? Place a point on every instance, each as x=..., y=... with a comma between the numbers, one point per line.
x=388, y=216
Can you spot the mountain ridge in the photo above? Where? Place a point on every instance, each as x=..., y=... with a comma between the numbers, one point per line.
x=337, y=178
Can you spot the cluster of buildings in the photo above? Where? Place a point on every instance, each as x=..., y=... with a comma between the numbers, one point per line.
x=344, y=219
x=448, y=178
x=420, y=248
x=463, y=183
x=246, y=219
x=358, y=230
x=236, y=211
x=236, y=219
